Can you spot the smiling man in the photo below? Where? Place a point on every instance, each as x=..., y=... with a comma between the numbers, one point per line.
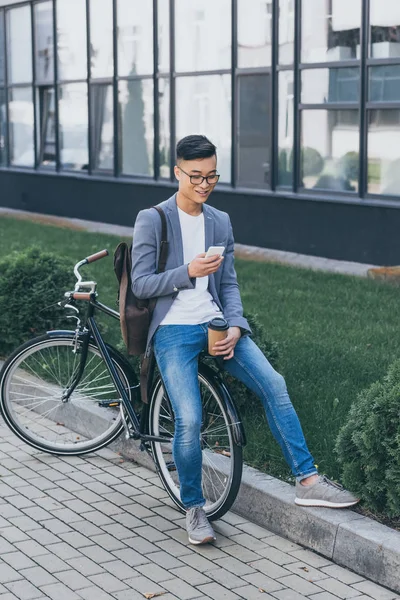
x=191, y=291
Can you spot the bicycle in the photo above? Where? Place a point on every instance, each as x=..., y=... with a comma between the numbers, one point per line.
x=70, y=393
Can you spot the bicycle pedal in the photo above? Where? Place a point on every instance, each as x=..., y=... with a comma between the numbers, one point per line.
x=108, y=403
x=170, y=466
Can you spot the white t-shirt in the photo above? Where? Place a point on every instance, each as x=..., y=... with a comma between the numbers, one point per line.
x=192, y=307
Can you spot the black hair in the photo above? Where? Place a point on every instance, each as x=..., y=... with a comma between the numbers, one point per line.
x=193, y=147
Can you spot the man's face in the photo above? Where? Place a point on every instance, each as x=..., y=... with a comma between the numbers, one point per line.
x=204, y=167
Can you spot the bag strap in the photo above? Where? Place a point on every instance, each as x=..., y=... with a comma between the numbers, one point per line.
x=164, y=241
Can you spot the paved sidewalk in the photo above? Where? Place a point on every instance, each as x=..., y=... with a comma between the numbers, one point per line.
x=101, y=528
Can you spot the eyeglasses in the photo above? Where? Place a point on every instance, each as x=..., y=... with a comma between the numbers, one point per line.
x=198, y=179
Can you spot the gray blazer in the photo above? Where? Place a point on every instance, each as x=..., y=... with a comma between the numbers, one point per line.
x=146, y=283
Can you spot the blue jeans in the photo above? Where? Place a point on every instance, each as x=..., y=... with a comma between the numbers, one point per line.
x=176, y=349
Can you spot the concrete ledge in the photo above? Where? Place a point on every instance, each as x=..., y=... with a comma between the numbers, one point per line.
x=345, y=537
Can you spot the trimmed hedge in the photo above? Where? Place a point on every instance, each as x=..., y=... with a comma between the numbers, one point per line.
x=31, y=283
x=368, y=445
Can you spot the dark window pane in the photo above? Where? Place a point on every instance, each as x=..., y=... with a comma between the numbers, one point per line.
x=330, y=85
x=330, y=33
x=44, y=50
x=2, y=53
x=384, y=83
x=101, y=38
x=71, y=39
x=164, y=104
x=21, y=127
x=46, y=124
x=384, y=152
x=101, y=98
x=385, y=29
x=209, y=99
x=285, y=128
x=286, y=32
x=135, y=37
x=19, y=38
x=163, y=35
x=136, y=119
x=202, y=35
x=3, y=129
x=254, y=33
x=254, y=130
x=329, y=149
x=73, y=111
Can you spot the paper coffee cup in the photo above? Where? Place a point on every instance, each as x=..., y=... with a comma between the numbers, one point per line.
x=217, y=330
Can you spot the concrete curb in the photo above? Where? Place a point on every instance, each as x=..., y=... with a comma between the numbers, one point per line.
x=345, y=537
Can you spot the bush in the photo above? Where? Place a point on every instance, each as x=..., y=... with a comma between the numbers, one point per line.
x=244, y=398
x=368, y=446
x=348, y=166
x=31, y=283
x=312, y=162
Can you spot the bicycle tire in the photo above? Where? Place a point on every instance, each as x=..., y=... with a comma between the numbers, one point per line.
x=222, y=467
x=83, y=424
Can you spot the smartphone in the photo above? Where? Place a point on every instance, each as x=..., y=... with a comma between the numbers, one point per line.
x=215, y=251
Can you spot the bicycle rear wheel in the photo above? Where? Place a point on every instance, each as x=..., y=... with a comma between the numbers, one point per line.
x=222, y=455
x=32, y=383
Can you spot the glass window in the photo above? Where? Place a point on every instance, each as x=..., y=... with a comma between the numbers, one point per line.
x=285, y=128
x=163, y=35
x=384, y=152
x=329, y=149
x=202, y=35
x=135, y=37
x=330, y=85
x=44, y=50
x=101, y=38
x=164, y=104
x=21, y=127
x=3, y=129
x=101, y=98
x=254, y=33
x=330, y=31
x=73, y=115
x=384, y=83
x=19, y=38
x=254, y=133
x=385, y=29
x=136, y=104
x=71, y=39
x=2, y=53
x=46, y=126
x=286, y=32
x=209, y=98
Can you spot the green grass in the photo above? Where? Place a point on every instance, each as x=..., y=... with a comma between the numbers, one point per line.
x=336, y=333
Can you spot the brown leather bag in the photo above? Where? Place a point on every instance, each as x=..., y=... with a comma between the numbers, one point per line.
x=135, y=314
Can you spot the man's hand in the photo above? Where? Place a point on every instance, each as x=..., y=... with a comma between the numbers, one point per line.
x=201, y=266
x=226, y=347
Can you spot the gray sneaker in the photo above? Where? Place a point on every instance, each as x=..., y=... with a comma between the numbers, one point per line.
x=198, y=528
x=324, y=492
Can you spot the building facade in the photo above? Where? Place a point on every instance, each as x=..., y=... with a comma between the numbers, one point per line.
x=301, y=98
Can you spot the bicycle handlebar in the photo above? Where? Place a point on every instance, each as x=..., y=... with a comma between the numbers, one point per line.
x=96, y=256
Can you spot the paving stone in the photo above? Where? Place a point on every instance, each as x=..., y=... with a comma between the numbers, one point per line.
x=148, y=501
x=30, y=492
x=24, y=590
x=8, y=511
x=283, y=544
x=375, y=591
x=300, y=585
x=43, y=536
x=19, y=501
x=63, y=550
x=182, y=590
x=173, y=547
x=251, y=592
x=154, y=572
x=59, y=591
x=116, y=498
x=108, y=582
x=311, y=558
x=144, y=586
x=66, y=515
x=248, y=541
x=234, y=566
x=52, y=563
x=208, y=551
x=242, y=554
x=24, y=523
x=97, y=554
x=160, y=523
x=140, y=545
x=198, y=562
x=107, y=508
x=56, y=526
x=78, y=506
x=37, y=514
x=118, y=531
x=8, y=574
x=13, y=534
x=98, y=488
x=86, y=528
x=127, y=520
x=60, y=495
x=306, y=571
x=30, y=548
x=287, y=594
x=150, y=533
x=226, y=528
x=8, y=596
x=87, y=496
x=323, y=596
x=120, y=569
x=38, y=576
x=225, y=578
x=75, y=539
x=48, y=502
x=17, y=560
x=85, y=566
x=342, y=574
x=338, y=588
x=108, y=542
x=131, y=557
x=263, y=581
x=216, y=591
x=97, y=518
x=42, y=483
x=167, y=512
x=277, y=556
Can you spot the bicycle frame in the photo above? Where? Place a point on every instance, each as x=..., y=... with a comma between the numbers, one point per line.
x=90, y=329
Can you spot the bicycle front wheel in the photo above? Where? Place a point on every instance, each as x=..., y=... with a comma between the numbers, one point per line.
x=32, y=384
x=221, y=454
